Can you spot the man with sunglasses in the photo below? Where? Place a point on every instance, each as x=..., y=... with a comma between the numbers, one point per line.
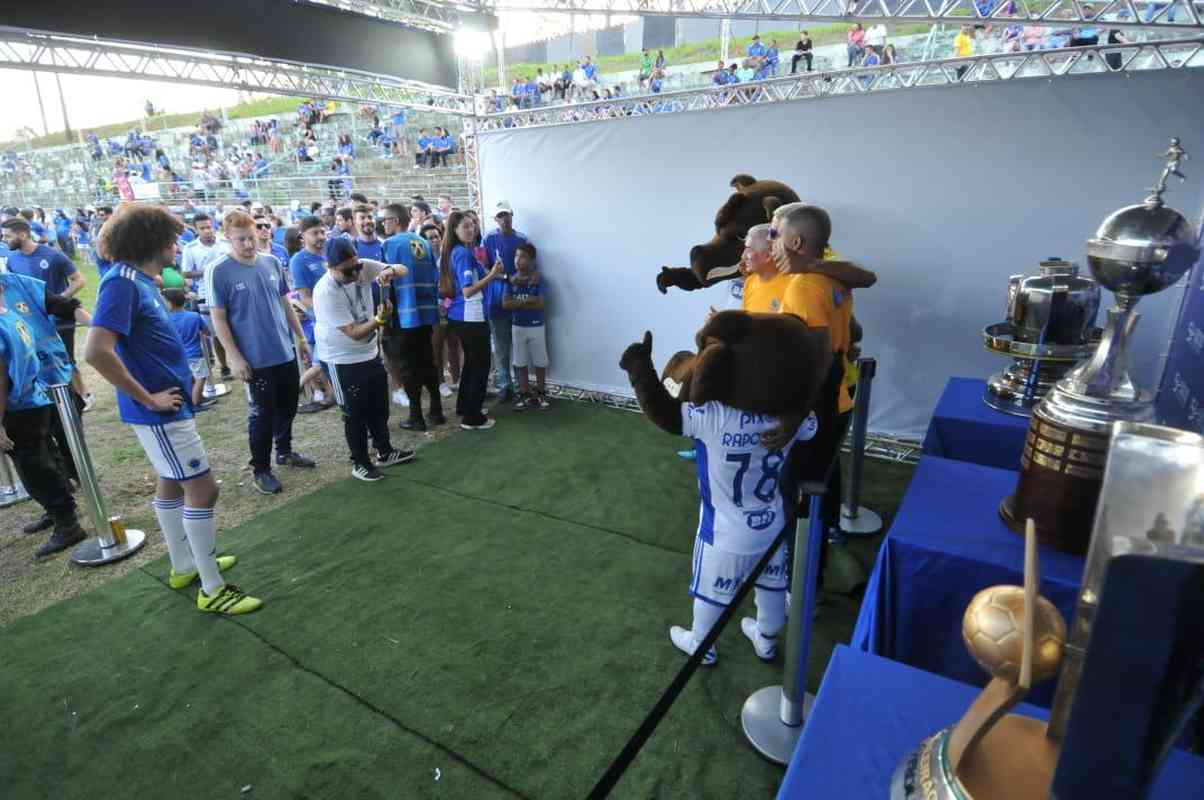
x=265, y=241
x=346, y=336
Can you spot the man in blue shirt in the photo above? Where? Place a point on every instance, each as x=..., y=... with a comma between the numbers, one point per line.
x=252, y=316
x=59, y=273
x=306, y=268
x=265, y=242
x=441, y=147
x=502, y=245
x=134, y=346
x=421, y=157
x=591, y=69
x=30, y=355
x=98, y=220
x=416, y=300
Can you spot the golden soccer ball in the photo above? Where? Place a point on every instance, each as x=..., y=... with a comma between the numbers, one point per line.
x=991, y=629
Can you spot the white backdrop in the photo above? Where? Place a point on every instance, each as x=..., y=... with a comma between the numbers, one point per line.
x=944, y=192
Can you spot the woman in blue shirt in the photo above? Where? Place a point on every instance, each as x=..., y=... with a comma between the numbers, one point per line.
x=464, y=280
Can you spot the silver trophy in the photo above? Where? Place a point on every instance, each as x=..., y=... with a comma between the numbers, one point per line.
x=1050, y=327
x=1138, y=250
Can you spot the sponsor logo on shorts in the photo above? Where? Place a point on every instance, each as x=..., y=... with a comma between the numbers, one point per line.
x=760, y=520
x=726, y=585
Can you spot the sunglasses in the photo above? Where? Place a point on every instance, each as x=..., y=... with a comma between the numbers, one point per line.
x=774, y=233
x=263, y=226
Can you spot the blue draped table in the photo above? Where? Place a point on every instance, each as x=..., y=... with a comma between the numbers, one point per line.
x=965, y=428
x=871, y=712
x=946, y=544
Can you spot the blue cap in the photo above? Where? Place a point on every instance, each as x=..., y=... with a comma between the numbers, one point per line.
x=339, y=250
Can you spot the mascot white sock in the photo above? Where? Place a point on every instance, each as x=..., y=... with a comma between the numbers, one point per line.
x=771, y=612
x=705, y=616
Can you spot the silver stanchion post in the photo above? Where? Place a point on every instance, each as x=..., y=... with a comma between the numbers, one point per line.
x=213, y=388
x=773, y=717
x=113, y=542
x=854, y=518
x=12, y=491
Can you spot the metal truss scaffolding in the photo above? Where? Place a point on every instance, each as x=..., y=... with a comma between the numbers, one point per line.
x=44, y=52
x=1177, y=14
x=428, y=14
x=1170, y=55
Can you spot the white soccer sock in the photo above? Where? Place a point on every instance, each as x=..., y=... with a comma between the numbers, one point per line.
x=201, y=526
x=170, y=514
x=771, y=612
x=705, y=617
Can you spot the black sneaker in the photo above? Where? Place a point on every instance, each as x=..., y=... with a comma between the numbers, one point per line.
x=227, y=374
x=43, y=523
x=266, y=483
x=394, y=457
x=366, y=472
x=60, y=540
x=417, y=424
x=294, y=459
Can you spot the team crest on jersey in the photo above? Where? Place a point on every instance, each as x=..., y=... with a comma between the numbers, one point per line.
x=22, y=307
x=775, y=305
x=24, y=332
x=44, y=264
x=760, y=520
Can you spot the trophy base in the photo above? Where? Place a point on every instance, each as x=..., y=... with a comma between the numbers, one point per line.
x=1022, y=385
x=1014, y=761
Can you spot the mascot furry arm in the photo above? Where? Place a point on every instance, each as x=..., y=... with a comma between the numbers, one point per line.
x=752, y=203
x=759, y=363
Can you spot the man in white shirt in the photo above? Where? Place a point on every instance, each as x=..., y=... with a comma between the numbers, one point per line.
x=346, y=337
x=195, y=259
x=876, y=37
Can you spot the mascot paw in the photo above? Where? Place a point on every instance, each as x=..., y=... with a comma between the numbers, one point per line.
x=664, y=280
x=637, y=353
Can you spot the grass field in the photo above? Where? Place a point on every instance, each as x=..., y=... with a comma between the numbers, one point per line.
x=488, y=622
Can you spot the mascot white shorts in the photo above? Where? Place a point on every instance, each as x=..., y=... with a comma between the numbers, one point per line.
x=718, y=574
x=175, y=450
x=530, y=347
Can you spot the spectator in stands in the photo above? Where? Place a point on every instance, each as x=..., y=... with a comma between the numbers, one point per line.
x=423, y=147
x=755, y=52
x=524, y=299
x=876, y=37
x=1115, y=60
x=1086, y=35
x=582, y=84
x=563, y=84
x=500, y=246
x=802, y=52
x=33, y=260
x=441, y=147
x=645, y=67
x=465, y=281
x=655, y=85
x=346, y=147
x=253, y=318
x=855, y=43
x=661, y=63
x=888, y=55
x=963, y=47
x=720, y=76
x=732, y=77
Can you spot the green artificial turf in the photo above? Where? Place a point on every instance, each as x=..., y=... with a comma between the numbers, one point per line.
x=494, y=614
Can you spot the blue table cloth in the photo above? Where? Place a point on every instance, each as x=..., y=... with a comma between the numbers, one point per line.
x=871, y=712
x=965, y=428
x=946, y=544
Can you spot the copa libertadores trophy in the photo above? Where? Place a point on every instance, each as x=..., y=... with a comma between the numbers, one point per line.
x=1138, y=250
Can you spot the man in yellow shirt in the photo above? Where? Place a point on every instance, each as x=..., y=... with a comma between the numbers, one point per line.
x=963, y=47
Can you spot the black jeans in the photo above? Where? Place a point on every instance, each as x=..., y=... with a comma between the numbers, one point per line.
x=271, y=405
x=362, y=392
x=420, y=158
x=417, y=356
x=474, y=338
x=36, y=465
x=796, y=58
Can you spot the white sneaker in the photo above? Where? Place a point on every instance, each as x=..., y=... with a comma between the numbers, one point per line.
x=400, y=399
x=683, y=640
x=320, y=397
x=89, y=401
x=445, y=390
x=765, y=647
x=484, y=426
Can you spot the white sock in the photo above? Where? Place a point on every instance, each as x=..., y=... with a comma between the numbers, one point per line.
x=319, y=396
x=705, y=617
x=771, y=612
x=170, y=514
x=201, y=526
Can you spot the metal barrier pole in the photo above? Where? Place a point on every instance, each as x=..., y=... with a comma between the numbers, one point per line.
x=113, y=542
x=12, y=491
x=773, y=716
x=853, y=518
x=212, y=388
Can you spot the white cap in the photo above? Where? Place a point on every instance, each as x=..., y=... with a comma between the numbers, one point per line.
x=503, y=208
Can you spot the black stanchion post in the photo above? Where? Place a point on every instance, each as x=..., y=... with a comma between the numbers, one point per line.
x=855, y=519
x=12, y=491
x=773, y=716
x=113, y=541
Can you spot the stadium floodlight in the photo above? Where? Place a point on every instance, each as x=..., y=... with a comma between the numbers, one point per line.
x=474, y=36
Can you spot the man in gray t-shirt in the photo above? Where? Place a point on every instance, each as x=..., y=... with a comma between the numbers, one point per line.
x=252, y=317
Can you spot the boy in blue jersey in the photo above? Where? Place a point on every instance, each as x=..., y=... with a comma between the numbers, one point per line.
x=741, y=509
x=525, y=299
x=134, y=346
x=501, y=246
x=421, y=155
x=31, y=354
x=191, y=326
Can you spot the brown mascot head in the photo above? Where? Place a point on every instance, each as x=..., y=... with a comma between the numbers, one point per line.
x=751, y=204
x=760, y=363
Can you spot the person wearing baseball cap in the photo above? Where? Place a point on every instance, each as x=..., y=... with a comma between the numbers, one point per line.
x=501, y=245
x=346, y=335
